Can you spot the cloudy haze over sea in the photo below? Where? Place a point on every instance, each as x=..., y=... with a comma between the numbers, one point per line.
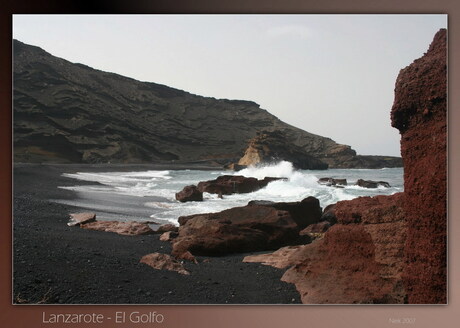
x=332, y=75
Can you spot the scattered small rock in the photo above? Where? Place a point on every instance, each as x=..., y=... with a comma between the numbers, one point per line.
x=372, y=184
x=131, y=228
x=166, y=228
x=332, y=182
x=163, y=262
x=168, y=236
x=190, y=193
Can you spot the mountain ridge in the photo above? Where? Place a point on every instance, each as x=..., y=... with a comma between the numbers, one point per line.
x=70, y=112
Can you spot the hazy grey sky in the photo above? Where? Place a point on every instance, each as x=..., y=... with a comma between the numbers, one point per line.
x=331, y=75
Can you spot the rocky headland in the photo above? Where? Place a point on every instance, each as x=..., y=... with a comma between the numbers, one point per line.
x=71, y=113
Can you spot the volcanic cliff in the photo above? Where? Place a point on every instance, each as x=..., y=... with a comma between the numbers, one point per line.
x=420, y=114
x=66, y=112
x=389, y=249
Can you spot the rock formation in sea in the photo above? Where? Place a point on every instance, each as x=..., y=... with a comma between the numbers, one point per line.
x=273, y=146
x=389, y=249
x=189, y=194
x=234, y=184
x=66, y=112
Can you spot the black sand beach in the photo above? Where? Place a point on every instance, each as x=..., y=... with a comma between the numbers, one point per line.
x=57, y=264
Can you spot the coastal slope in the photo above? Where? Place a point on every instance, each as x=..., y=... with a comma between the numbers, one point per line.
x=71, y=113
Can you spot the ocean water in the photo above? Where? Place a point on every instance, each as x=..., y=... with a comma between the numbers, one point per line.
x=150, y=195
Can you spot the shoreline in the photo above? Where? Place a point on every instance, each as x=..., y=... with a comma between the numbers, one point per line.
x=126, y=167
x=57, y=264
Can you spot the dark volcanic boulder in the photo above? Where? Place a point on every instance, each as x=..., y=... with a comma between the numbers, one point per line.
x=233, y=184
x=332, y=181
x=303, y=213
x=239, y=229
x=329, y=214
x=372, y=184
x=420, y=114
x=189, y=194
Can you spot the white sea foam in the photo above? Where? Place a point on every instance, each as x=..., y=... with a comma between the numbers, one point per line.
x=282, y=169
x=161, y=187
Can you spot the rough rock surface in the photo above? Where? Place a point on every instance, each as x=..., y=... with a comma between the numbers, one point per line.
x=305, y=212
x=166, y=228
x=281, y=258
x=189, y=194
x=168, y=236
x=271, y=147
x=130, y=228
x=420, y=113
x=320, y=227
x=359, y=260
x=233, y=184
x=163, y=262
x=239, y=229
x=77, y=219
x=372, y=184
x=65, y=112
x=329, y=214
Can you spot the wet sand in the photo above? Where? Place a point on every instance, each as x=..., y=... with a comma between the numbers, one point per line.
x=57, y=264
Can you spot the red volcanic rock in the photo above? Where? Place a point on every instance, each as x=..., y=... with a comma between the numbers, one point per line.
x=304, y=213
x=420, y=113
x=187, y=256
x=355, y=262
x=232, y=184
x=320, y=227
x=189, y=194
x=167, y=227
x=168, y=236
x=130, y=228
x=280, y=259
x=81, y=218
x=239, y=229
x=163, y=262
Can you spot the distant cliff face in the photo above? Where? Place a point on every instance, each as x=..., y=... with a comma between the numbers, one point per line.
x=273, y=146
x=65, y=112
x=420, y=113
